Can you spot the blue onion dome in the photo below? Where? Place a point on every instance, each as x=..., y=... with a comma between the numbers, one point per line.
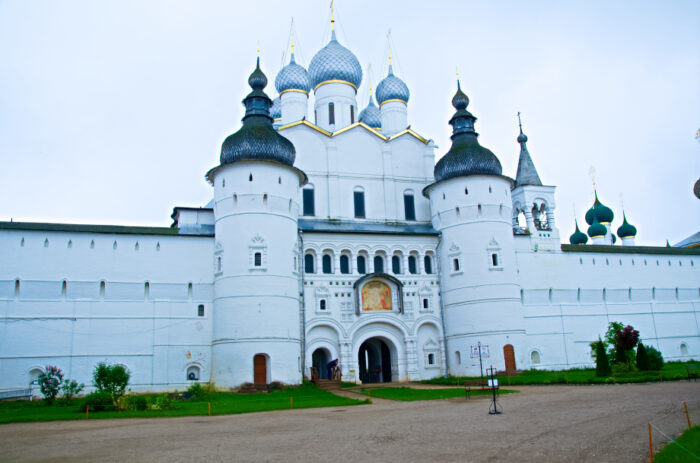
x=371, y=115
x=601, y=212
x=626, y=230
x=292, y=77
x=466, y=156
x=335, y=62
x=276, y=109
x=578, y=237
x=392, y=88
x=257, y=139
x=597, y=229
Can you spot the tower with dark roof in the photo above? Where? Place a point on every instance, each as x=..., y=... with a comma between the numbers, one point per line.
x=470, y=204
x=256, y=311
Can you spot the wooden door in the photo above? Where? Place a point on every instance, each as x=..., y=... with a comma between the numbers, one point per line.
x=260, y=369
x=509, y=356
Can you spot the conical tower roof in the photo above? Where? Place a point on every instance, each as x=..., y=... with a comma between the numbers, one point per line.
x=527, y=174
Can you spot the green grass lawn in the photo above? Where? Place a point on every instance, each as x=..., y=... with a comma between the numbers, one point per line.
x=304, y=396
x=408, y=394
x=670, y=371
x=673, y=453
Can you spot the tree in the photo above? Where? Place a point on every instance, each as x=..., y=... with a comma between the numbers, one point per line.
x=611, y=338
x=625, y=340
x=642, y=357
x=112, y=379
x=656, y=360
x=70, y=389
x=50, y=383
x=602, y=364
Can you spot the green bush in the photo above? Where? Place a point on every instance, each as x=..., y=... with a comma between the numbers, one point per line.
x=111, y=379
x=623, y=368
x=99, y=401
x=275, y=386
x=50, y=383
x=642, y=357
x=602, y=364
x=656, y=360
x=196, y=392
x=162, y=402
x=70, y=389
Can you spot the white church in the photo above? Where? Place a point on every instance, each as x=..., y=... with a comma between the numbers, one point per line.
x=334, y=234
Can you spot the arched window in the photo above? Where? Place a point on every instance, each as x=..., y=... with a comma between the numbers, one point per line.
x=396, y=264
x=200, y=310
x=684, y=349
x=309, y=263
x=361, y=265
x=431, y=359
x=535, y=357
x=359, y=200
x=327, y=263
x=409, y=206
x=102, y=288
x=308, y=201
x=458, y=357
x=193, y=373
x=331, y=113
x=428, y=265
x=218, y=264
x=378, y=264
x=412, y=267
x=258, y=259
x=344, y=264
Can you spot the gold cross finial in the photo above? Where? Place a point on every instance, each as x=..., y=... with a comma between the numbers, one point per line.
x=388, y=43
x=520, y=123
x=292, y=47
x=369, y=78
x=258, y=49
x=332, y=17
x=457, y=72
x=591, y=172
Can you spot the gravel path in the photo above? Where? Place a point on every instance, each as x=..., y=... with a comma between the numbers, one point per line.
x=541, y=423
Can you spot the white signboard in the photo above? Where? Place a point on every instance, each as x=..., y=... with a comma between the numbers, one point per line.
x=484, y=351
x=493, y=383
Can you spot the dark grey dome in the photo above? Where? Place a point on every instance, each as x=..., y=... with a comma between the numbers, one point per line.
x=466, y=156
x=257, y=139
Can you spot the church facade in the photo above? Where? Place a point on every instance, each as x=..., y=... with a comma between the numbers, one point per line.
x=342, y=239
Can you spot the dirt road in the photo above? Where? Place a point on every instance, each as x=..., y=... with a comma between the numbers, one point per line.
x=546, y=423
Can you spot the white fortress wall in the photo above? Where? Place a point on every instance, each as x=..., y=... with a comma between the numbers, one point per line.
x=570, y=297
x=75, y=298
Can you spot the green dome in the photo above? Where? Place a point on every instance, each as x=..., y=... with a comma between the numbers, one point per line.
x=601, y=212
x=578, y=237
x=597, y=229
x=626, y=230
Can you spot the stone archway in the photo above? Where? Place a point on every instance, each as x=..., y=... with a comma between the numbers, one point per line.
x=377, y=361
x=319, y=360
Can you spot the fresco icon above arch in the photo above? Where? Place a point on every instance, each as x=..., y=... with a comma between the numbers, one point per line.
x=378, y=292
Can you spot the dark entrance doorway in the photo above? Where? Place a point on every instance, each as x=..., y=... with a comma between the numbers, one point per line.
x=374, y=358
x=260, y=369
x=320, y=359
x=509, y=356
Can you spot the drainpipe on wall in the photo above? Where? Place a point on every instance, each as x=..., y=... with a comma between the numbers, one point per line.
x=442, y=308
x=302, y=308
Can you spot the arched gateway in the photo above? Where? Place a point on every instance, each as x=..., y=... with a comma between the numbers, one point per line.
x=377, y=361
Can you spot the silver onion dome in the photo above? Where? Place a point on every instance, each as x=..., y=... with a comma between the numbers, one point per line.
x=276, y=109
x=371, y=115
x=335, y=62
x=292, y=77
x=392, y=88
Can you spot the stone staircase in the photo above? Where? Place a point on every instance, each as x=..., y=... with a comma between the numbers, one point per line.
x=250, y=388
x=327, y=384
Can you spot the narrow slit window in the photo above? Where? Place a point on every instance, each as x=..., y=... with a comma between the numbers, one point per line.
x=308, y=200
x=409, y=206
x=102, y=288
x=352, y=114
x=309, y=263
x=344, y=264
x=494, y=259
x=331, y=113
x=425, y=303
x=200, y=310
x=428, y=265
x=322, y=304
x=359, y=197
x=455, y=264
x=258, y=259
x=361, y=265
x=431, y=359
x=412, y=267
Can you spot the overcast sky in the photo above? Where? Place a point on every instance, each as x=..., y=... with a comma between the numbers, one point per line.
x=111, y=112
